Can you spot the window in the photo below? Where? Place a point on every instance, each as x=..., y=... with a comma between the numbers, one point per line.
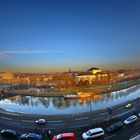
x=96, y=133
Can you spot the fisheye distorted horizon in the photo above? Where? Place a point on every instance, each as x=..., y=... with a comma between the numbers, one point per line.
x=53, y=35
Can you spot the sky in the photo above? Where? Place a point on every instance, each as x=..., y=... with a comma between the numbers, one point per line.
x=53, y=35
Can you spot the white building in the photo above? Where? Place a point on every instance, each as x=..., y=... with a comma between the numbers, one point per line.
x=92, y=74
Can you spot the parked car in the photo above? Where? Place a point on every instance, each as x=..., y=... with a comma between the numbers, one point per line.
x=93, y=133
x=40, y=121
x=31, y=136
x=114, y=127
x=64, y=136
x=130, y=119
x=128, y=105
x=9, y=133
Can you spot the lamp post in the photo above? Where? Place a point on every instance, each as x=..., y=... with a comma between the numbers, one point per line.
x=91, y=94
x=90, y=103
x=109, y=110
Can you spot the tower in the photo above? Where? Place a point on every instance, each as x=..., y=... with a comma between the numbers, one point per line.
x=69, y=70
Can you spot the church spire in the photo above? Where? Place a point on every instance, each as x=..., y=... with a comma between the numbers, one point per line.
x=69, y=70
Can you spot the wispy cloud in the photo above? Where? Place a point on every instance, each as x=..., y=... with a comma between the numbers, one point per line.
x=10, y=52
x=3, y=54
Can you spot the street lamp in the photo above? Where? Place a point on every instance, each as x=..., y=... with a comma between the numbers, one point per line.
x=90, y=109
x=90, y=102
x=109, y=110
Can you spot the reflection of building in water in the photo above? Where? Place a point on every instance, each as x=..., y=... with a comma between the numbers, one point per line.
x=87, y=99
x=7, y=75
x=93, y=74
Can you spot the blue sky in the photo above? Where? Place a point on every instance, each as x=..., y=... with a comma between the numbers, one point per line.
x=53, y=35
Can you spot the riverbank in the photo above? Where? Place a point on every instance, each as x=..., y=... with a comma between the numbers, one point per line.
x=61, y=105
x=96, y=91
x=119, y=86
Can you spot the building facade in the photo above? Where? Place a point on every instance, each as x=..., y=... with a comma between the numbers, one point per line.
x=7, y=75
x=93, y=75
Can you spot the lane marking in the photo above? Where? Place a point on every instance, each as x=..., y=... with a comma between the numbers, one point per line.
x=14, y=123
x=57, y=124
x=125, y=113
x=134, y=135
x=55, y=121
x=27, y=121
x=121, y=108
x=103, y=114
x=109, y=137
x=98, y=118
x=83, y=118
x=6, y=118
x=80, y=126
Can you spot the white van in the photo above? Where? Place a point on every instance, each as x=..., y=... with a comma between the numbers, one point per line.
x=93, y=133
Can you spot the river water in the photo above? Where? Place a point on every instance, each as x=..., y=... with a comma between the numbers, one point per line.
x=60, y=105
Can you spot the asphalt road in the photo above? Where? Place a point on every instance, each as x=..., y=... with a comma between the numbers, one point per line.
x=77, y=123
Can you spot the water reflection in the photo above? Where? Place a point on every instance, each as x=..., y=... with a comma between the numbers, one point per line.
x=60, y=105
x=32, y=101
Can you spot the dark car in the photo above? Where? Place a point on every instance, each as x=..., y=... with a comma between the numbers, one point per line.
x=9, y=133
x=114, y=127
x=31, y=136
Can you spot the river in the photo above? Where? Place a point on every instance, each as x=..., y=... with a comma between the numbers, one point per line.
x=60, y=105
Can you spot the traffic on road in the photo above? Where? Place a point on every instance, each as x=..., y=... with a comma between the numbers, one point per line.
x=109, y=131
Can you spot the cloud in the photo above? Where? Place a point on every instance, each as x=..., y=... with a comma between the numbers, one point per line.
x=21, y=47
x=10, y=52
x=3, y=54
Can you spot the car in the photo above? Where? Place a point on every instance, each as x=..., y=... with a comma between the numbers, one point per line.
x=31, y=136
x=130, y=119
x=64, y=136
x=40, y=121
x=9, y=133
x=114, y=127
x=93, y=133
x=128, y=105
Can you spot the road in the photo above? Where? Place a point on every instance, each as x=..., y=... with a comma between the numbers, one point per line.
x=77, y=123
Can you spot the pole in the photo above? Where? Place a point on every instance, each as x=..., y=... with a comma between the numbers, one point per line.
x=108, y=116
x=109, y=110
x=90, y=104
x=90, y=122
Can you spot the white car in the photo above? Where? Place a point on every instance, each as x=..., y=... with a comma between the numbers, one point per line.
x=128, y=105
x=130, y=119
x=93, y=133
x=40, y=121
